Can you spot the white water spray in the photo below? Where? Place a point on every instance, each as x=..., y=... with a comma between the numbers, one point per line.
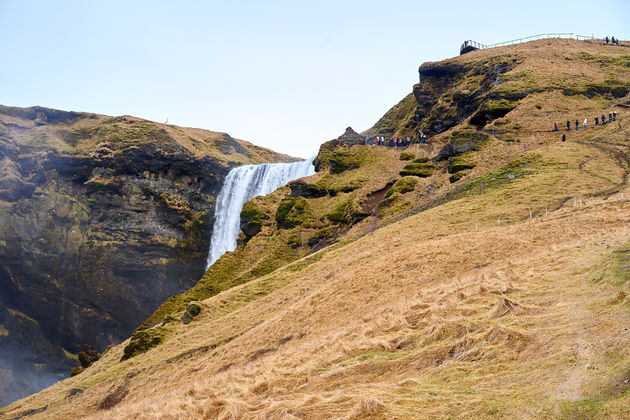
x=241, y=185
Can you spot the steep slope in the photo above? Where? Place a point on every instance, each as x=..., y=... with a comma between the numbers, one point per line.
x=384, y=286
x=101, y=219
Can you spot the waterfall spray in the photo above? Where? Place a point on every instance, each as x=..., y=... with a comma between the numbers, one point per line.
x=241, y=185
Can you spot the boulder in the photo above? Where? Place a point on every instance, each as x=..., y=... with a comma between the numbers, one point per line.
x=351, y=137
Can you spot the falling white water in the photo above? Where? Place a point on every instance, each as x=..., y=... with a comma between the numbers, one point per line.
x=241, y=185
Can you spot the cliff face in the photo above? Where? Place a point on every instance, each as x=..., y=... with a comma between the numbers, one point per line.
x=483, y=86
x=101, y=220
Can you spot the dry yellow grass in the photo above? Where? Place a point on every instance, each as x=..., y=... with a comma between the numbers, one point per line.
x=425, y=317
x=526, y=320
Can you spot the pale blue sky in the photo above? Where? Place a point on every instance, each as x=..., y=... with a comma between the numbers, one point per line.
x=287, y=75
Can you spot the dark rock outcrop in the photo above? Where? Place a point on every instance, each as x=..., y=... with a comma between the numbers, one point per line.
x=351, y=137
x=301, y=188
x=101, y=220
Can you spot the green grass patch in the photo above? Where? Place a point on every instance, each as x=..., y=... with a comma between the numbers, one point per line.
x=143, y=341
x=422, y=170
x=402, y=186
x=292, y=211
x=458, y=164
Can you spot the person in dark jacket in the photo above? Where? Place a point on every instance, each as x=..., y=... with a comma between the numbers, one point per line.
x=577, y=125
x=610, y=117
x=607, y=40
x=568, y=125
x=564, y=137
x=596, y=120
x=614, y=115
x=603, y=119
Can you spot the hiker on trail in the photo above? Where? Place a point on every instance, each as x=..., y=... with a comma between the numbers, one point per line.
x=585, y=123
x=610, y=117
x=408, y=140
x=577, y=124
x=568, y=125
x=395, y=142
x=564, y=137
x=596, y=120
x=614, y=115
x=555, y=126
x=603, y=119
x=613, y=40
x=607, y=40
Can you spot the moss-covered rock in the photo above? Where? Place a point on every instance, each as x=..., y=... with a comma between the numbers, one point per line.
x=422, y=170
x=455, y=177
x=341, y=161
x=402, y=186
x=192, y=310
x=87, y=356
x=337, y=157
x=458, y=164
x=462, y=142
x=291, y=212
x=301, y=188
x=407, y=156
x=142, y=341
x=491, y=110
x=252, y=219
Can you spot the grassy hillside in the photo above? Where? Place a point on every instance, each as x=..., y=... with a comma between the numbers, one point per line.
x=482, y=275
x=94, y=135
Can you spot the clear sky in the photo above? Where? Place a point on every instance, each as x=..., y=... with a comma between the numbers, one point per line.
x=287, y=75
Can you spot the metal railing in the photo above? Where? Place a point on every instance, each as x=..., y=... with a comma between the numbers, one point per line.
x=569, y=35
x=532, y=38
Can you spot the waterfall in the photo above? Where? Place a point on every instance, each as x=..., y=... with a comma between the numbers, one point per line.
x=241, y=185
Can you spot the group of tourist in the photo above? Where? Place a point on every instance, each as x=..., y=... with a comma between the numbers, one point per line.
x=394, y=141
x=613, y=40
x=384, y=141
x=612, y=116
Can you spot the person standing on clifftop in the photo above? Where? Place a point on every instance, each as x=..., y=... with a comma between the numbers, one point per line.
x=607, y=40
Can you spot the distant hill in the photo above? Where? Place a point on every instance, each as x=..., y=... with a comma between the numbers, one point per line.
x=101, y=219
x=483, y=274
